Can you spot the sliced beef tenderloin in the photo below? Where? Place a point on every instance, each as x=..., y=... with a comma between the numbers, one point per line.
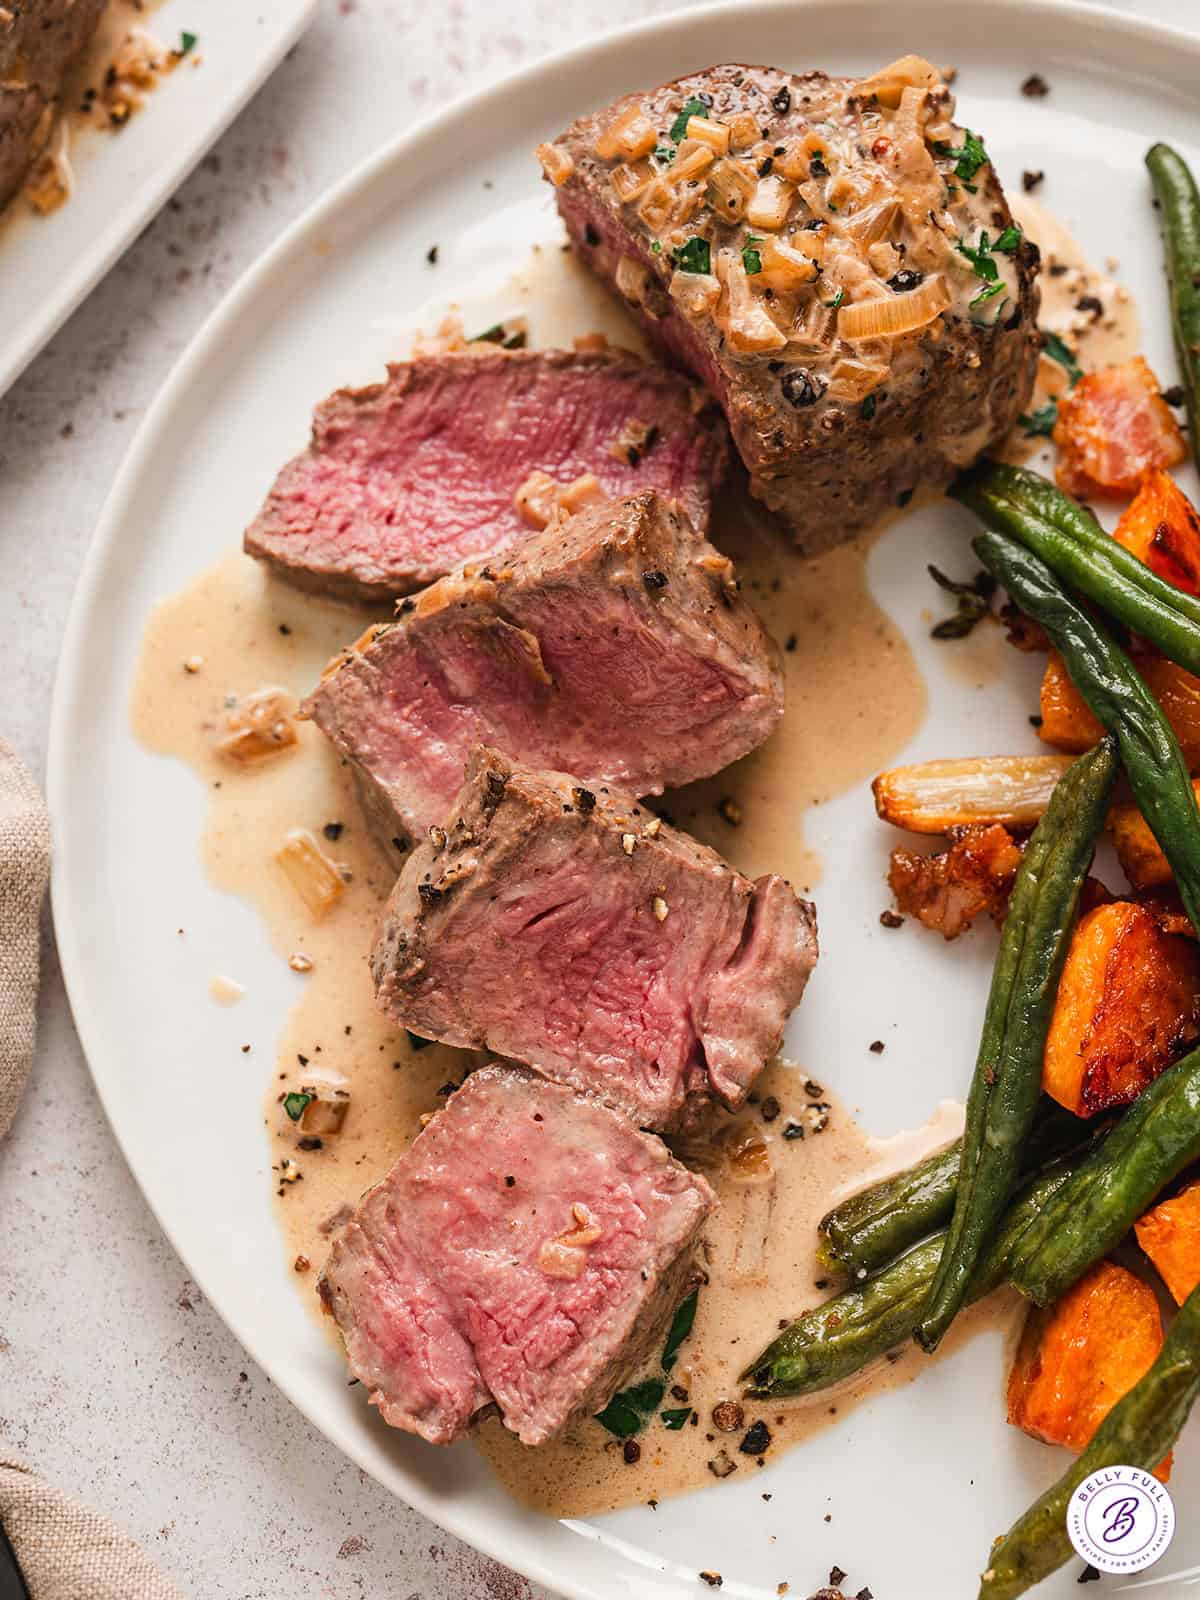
x=834, y=257
x=403, y=480
x=526, y=1252
x=570, y=929
x=614, y=645
x=40, y=41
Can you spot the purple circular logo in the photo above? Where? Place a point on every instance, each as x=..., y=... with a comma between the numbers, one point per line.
x=1121, y=1519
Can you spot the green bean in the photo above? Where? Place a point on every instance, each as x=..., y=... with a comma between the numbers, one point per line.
x=1179, y=209
x=1114, y=690
x=1139, y=598
x=862, y=1324
x=1008, y=1070
x=1138, y=1432
x=872, y=1227
x=1153, y=1142
x=1031, y=492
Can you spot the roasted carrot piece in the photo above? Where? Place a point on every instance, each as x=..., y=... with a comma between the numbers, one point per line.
x=947, y=891
x=1079, y=1357
x=1128, y=1005
x=1142, y=861
x=1170, y=1236
x=1067, y=719
x=1162, y=528
x=1068, y=723
x=1112, y=427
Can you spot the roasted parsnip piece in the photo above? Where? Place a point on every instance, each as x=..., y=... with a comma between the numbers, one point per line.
x=935, y=796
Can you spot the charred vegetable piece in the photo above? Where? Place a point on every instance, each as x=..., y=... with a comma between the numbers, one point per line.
x=1160, y=527
x=1008, y=1071
x=1069, y=724
x=862, y=1324
x=935, y=796
x=1170, y=1236
x=1138, y=1432
x=1093, y=1211
x=1111, y=427
x=1105, y=573
x=1128, y=1005
x=1079, y=1357
x=1120, y=699
x=1179, y=210
x=1139, y=852
x=872, y=1227
x=948, y=890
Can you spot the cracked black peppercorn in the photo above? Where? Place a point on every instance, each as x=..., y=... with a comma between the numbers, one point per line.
x=655, y=579
x=906, y=280
x=758, y=1439
x=800, y=388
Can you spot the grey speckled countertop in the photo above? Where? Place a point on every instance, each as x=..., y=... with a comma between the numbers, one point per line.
x=116, y=1379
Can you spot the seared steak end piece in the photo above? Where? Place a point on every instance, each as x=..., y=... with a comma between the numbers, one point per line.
x=525, y=1253
x=40, y=41
x=836, y=260
x=614, y=645
x=571, y=929
x=403, y=480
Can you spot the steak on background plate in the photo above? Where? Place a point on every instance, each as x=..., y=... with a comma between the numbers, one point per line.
x=525, y=1253
x=40, y=41
x=402, y=480
x=614, y=645
x=572, y=930
x=836, y=260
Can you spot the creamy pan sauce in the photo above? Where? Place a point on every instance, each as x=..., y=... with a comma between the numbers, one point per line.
x=235, y=631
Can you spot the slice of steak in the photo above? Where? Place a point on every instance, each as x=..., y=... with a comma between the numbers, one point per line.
x=527, y=1252
x=403, y=480
x=572, y=930
x=614, y=645
x=40, y=41
x=833, y=257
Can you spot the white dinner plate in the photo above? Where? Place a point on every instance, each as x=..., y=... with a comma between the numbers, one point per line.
x=48, y=264
x=907, y=1493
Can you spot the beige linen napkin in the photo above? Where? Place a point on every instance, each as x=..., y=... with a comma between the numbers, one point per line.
x=66, y=1551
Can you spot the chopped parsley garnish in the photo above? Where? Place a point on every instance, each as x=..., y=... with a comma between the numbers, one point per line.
x=833, y=304
x=296, y=1103
x=751, y=257
x=507, y=338
x=629, y=1410
x=694, y=256
x=867, y=409
x=1009, y=240
x=974, y=603
x=971, y=156
x=1058, y=350
x=690, y=108
x=187, y=43
x=681, y=1326
x=982, y=261
x=1039, y=424
x=656, y=247
x=665, y=152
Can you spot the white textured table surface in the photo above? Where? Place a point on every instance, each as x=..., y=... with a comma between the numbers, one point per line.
x=116, y=1379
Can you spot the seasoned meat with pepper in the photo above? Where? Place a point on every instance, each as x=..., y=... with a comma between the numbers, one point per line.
x=614, y=645
x=457, y=457
x=571, y=929
x=523, y=1255
x=836, y=260
x=40, y=41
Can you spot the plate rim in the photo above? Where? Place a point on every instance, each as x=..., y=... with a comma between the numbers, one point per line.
x=105, y=543
x=81, y=280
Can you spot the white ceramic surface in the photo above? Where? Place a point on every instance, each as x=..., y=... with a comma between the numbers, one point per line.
x=916, y=1504
x=48, y=264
